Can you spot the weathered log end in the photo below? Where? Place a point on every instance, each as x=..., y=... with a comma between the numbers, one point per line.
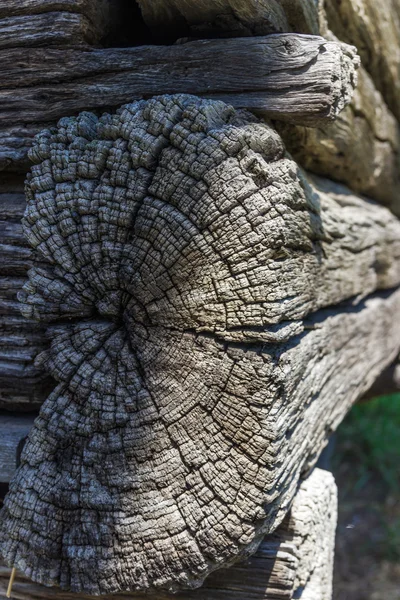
x=296, y=559
x=190, y=270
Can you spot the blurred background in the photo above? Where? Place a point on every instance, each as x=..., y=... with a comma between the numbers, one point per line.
x=365, y=459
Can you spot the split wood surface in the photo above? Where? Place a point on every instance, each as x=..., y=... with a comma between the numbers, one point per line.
x=298, y=556
x=303, y=79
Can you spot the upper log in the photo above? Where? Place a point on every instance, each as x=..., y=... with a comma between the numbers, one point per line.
x=301, y=79
x=42, y=22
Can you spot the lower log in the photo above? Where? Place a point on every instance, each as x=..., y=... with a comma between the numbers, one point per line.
x=298, y=557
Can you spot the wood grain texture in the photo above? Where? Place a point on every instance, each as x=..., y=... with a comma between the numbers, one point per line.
x=190, y=282
x=300, y=78
x=46, y=29
x=22, y=385
x=361, y=148
x=298, y=555
x=14, y=430
x=374, y=28
x=33, y=22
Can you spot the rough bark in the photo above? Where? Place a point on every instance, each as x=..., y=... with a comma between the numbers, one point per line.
x=298, y=555
x=200, y=372
x=305, y=80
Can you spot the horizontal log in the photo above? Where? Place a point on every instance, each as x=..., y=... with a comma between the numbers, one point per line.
x=13, y=431
x=298, y=555
x=233, y=18
x=206, y=322
x=297, y=78
x=54, y=28
x=338, y=149
x=31, y=22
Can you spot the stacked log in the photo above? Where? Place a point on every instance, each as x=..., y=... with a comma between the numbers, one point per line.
x=297, y=558
x=333, y=278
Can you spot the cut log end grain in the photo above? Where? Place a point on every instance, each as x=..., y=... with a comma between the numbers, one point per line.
x=190, y=273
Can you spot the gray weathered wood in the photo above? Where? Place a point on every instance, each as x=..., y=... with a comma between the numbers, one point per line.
x=387, y=383
x=13, y=431
x=298, y=78
x=229, y=17
x=298, y=555
x=31, y=22
x=361, y=148
x=22, y=385
x=374, y=27
x=54, y=28
x=191, y=292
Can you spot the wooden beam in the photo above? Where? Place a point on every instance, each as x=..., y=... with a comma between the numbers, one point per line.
x=303, y=79
x=43, y=22
x=298, y=556
x=293, y=77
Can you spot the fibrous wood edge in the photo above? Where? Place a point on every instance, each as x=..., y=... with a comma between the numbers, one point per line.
x=303, y=79
x=298, y=557
x=28, y=22
x=244, y=369
x=13, y=431
x=361, y=148
x=374, y=28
